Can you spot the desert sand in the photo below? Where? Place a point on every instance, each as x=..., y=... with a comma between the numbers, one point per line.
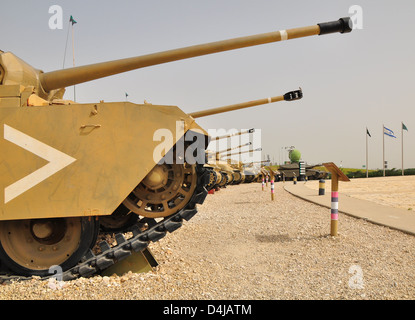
x=398, y=192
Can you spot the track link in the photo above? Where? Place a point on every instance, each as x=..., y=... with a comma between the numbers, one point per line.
x=92, y=264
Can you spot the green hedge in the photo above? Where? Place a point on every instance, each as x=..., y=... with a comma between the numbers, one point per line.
x=379, y=173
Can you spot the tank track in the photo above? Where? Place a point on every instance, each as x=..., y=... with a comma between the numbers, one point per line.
x=92, y=264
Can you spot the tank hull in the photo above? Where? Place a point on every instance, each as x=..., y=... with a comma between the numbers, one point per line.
x=81, y=159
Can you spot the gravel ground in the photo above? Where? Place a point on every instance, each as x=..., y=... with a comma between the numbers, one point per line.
x=241, y=245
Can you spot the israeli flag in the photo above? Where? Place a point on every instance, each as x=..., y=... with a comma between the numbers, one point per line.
x=388, y=132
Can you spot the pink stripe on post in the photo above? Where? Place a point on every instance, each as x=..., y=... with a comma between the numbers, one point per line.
x=334, y=216
x=335, y=194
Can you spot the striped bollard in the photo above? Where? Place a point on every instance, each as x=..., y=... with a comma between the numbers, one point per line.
x=321, y=187
x=266, y=180
x=336, y=176
x=263, y=183
x=272, y=188
x=334, y=205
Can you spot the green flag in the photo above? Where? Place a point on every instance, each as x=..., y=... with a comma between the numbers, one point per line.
x=404, y=127
x=71, y=19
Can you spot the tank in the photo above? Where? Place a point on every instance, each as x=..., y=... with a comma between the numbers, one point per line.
x=243, y=175
x=71, y=170
x=218, y=178
x=291, y=170
x=251, y=173
x=224, y=172
x=229, y=174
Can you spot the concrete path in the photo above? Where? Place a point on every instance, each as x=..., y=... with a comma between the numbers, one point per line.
x=395, y=218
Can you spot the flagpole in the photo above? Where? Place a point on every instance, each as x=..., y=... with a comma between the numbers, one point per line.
x=73, y=59
x=66, y=45
x=367, y=159
x=383, y=134
x=402, y=146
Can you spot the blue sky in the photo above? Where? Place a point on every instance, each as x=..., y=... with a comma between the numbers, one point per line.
x=350, y=82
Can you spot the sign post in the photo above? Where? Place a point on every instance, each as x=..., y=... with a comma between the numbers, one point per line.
x=336, y=176
x=272, y=177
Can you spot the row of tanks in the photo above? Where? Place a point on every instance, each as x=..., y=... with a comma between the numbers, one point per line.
x=72, y=171
x=225, y=172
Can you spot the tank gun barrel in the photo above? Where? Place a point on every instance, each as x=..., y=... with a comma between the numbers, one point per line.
x=289, y=96
x=250, y=163
x=241, y=152
x=242, y=145
x=234, y=134
x=63, y=78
